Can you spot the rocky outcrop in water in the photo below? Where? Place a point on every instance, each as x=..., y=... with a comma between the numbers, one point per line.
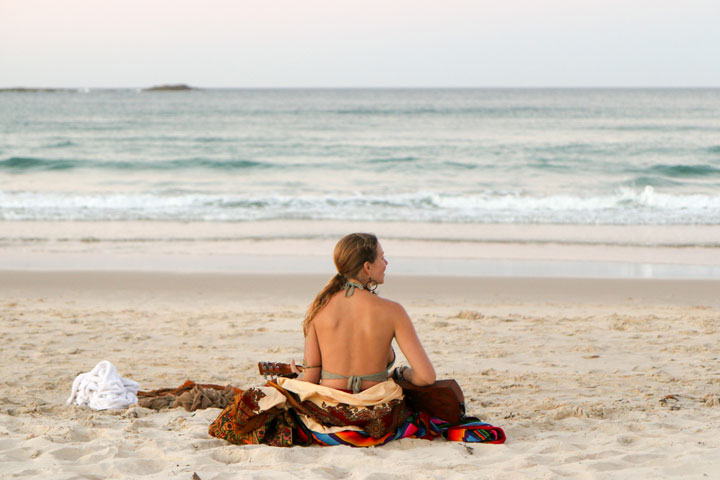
x=169, y=88
x=35, y=90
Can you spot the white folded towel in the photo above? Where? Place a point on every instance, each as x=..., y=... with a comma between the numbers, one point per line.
x=102, y=388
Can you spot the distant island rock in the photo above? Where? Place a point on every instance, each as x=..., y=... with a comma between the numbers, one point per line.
x=34, y=90
x=169, y=88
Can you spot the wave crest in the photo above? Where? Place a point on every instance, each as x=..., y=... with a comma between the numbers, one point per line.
x=626, y=206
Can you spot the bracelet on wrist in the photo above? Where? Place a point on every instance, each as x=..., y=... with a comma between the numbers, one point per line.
x=399, y=373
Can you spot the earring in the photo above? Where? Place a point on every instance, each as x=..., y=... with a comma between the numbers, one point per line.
x=371, y=286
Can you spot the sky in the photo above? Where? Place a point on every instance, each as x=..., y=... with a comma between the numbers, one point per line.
x=369, y=43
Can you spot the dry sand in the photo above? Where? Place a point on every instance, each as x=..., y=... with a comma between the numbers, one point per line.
x=589, y=378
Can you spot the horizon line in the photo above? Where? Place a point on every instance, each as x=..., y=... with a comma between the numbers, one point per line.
x=369, y=87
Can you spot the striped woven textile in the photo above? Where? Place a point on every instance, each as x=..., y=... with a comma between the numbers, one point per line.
x=417, y=425
x=292, y=412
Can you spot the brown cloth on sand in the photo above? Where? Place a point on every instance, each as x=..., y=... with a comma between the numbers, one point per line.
x=190, y=395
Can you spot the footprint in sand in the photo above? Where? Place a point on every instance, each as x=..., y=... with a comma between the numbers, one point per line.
x=231, y=455
x=17, y=454
x=637, y=458
x=69, y=454
x=570, y=411
x=626, y=440
x=139, y=466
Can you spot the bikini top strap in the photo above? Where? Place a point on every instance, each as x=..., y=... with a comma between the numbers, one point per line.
x=350, y=287
x=355, y=381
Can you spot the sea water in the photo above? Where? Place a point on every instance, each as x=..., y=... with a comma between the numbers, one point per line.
x=471, y=156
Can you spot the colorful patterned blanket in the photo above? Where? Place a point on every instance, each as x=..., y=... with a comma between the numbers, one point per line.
x=291, y=412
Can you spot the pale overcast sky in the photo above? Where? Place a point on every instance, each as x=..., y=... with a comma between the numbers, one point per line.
x=369, y=43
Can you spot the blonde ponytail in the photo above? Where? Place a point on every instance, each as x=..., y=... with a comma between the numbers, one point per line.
x=331, y=288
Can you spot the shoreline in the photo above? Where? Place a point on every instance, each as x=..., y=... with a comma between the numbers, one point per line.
x=19, y=232
x=424, y=249
x=245, y=289
x=284, y=264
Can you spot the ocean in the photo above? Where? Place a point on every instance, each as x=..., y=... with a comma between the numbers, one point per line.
x=464, y=156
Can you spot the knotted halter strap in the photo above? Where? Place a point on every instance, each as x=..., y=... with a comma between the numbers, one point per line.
x=350, y=287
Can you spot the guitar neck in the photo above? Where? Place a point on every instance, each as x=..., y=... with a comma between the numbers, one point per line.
x=275, y=369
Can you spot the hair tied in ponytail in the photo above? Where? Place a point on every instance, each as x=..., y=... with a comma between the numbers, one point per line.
x=351, y=253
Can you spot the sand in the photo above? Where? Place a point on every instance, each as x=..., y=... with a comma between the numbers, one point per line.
x=590, y=378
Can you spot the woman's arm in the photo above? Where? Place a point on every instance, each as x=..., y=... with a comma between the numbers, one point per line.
x=421, y=371
x=313, y=358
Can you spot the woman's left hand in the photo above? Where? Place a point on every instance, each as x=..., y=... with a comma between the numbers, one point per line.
x=294, y=368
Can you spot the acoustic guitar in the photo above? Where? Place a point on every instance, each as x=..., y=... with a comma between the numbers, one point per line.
x=443, y=399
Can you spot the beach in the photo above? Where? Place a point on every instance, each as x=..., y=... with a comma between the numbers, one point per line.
x=557, y=249
x=589, y=378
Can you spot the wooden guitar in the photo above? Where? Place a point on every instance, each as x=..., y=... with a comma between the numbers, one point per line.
x=443, y=399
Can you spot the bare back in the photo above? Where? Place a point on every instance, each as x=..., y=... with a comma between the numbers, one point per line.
x=352, y=336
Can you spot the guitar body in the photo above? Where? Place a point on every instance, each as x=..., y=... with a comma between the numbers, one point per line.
x=443, y=399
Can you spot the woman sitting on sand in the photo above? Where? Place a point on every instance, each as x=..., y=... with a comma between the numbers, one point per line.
x=349, y=330
x=346, y=394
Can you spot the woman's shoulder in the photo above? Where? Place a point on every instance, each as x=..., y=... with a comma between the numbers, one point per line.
x=389, y=306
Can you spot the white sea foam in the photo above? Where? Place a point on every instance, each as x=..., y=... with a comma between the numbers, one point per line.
x=627, y=206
